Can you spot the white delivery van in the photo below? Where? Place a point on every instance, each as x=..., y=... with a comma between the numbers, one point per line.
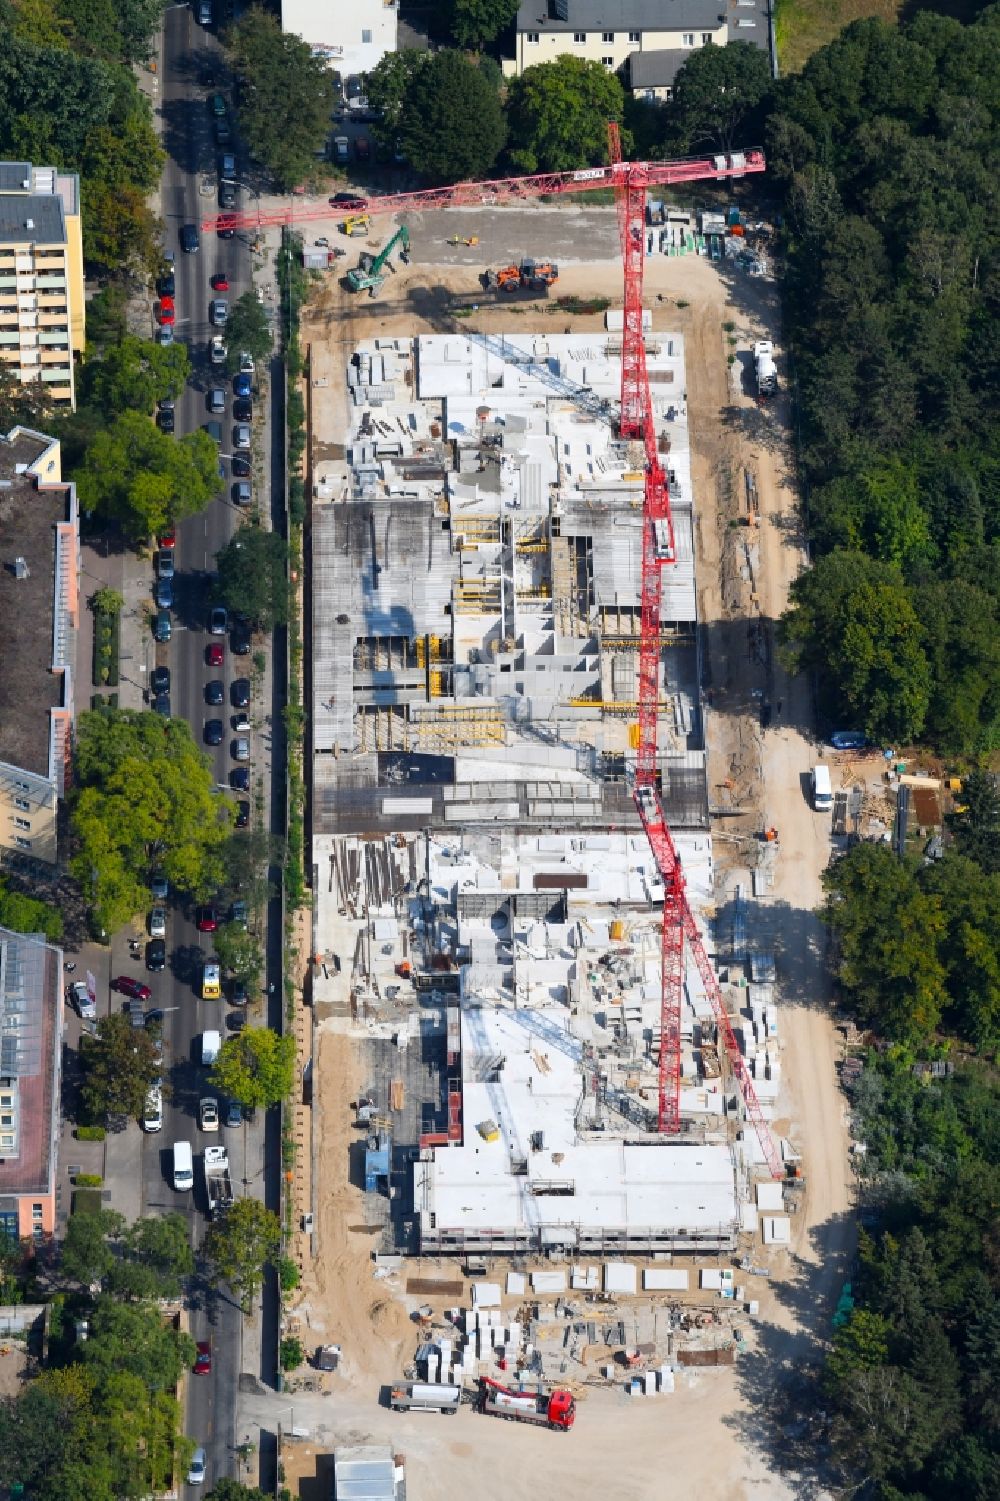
x=211, y=1042
x=183, y=1167
x=822, y=789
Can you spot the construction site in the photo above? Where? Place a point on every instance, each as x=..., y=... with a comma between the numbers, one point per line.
x=570, y=1121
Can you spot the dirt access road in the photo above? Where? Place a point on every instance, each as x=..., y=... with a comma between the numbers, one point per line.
x=718, y=1435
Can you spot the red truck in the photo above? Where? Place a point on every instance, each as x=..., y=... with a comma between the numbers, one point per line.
x=555, y=1409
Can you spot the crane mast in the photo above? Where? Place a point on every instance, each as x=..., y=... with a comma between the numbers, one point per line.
x=630, y=181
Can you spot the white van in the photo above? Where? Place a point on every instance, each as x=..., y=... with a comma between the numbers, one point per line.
x=152, y=1111
x=211, y=1042
x=822, y=789
x=183, y=1167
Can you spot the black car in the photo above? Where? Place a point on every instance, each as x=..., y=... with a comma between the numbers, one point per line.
x=214, y=731
x=236, y=1021
x=190, y=239
x=226, y=226
x=238, y=995
x=241, y=466
x=242, y=815
x=242, y=638
x=156, y=954
x=243, y=409
x=166, y=285
x=165, y=421
x=347, y=201
x=161, y=705
x=239, y=693
x=239, y=779
x=227, y=195
x=159, y=680
x=215, y=692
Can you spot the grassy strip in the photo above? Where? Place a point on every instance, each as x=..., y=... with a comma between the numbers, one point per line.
x=802, y=27
x=107, y=643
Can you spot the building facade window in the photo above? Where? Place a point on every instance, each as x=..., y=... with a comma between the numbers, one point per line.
x=532, y=37
x=24, y=844
x=22, y=823
x=36, y=1211
x=580, y=36
x=706, y=37
x=22, y=802
x=366, y=38
x=608, y=62
x=687, y=40
x=607, y=36
x=635, y=36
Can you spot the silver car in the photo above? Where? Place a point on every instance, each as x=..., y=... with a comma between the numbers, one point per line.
x=216, y=399
x=197, y=1467
x=241, y=435
x=241, y=749
x=218, y=312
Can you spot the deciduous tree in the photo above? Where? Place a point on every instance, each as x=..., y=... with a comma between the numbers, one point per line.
x=451, y=124
x=248, y=331
x=285, y=96
x=144, y=479
x=253, y=576
x=256, y=1067
x=716, y=95
x=120, y=1065
x=240, y=1245
x=134, y=374
x=558, y=115
x=474, y=23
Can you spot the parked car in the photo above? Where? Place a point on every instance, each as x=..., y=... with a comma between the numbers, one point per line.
x=208, y=1114
x=246, y=363
x=242, y=815
x=217, y=105
x=218, y=621
x=239, y=693
x=203, y=1358
x=214, y=653
x=241, y=435
x=234, y=1113
x=220, y=282
x=242, y=638
x=241, y=723
x=227, y=195
x=216, y=399
x=197, y=1467
x=137, y=1017
x=242, y=384
x=214, y=430
x=241, y=748
x=227, y=167
x=165, y=334
x=238, y=913
x=135, y=989
x=164, y=594
x=243, y=409
x=225, y=226
x=165, y=562
x=166, y=283
x=159, y=888
x=165, y=311
x=159, y=682
x=161, y=704
x=347, y=201
x=217, y=350
x=152, y=1110
x=214, y=731
x=848, y=740
x=158, y=920
x=165, y=420
x=81, y=1000
x=242, y=493
x=239, y=779
x=341, y=151
x=161, y=626
x=156, y=954
x=215, y=692
x=190, y=239
x=241, y=466
x=169, y=537
x=218, y=311
x=223, y=135
x=236, y=1021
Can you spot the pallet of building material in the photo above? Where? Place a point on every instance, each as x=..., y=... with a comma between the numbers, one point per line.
x=724, y=1356
x=397, y=1095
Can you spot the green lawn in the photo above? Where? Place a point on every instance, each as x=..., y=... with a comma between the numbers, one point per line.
x=803, y=26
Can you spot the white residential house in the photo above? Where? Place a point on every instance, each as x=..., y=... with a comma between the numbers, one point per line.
x=353, y=38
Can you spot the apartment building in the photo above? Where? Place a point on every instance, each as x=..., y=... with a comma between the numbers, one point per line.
x=39, y=620
x=609, y=31
x=353, y=38
x=41, y=276
x=31, y=1015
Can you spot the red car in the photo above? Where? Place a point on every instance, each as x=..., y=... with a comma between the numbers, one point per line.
x=168, y=538
x=165, y=311
x=205, y=920
x=214, y=654
x=134, y=989
x=203, y=1361
x=220, y=282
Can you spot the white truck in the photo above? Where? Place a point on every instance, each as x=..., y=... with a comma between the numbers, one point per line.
x=765, y=368
x=218, y=1183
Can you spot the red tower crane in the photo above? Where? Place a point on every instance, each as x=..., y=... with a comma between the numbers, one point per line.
x=630, y=181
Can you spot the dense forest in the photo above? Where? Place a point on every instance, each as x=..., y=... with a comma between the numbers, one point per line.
x=886, y=147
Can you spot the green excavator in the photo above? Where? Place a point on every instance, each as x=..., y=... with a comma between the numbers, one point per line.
x=370, y=272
